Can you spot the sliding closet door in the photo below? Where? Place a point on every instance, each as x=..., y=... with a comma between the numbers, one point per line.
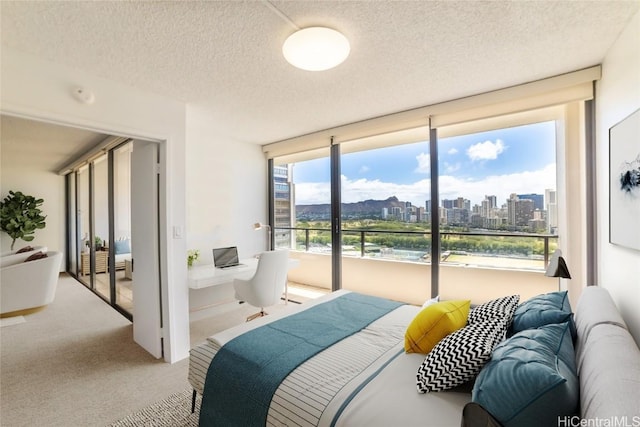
x=102, y=282
x=122, y=227
x=82, y=218
x=147, y=322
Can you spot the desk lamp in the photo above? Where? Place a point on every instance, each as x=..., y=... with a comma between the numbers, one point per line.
x=258, y=226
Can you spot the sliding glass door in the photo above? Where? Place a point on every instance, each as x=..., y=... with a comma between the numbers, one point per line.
x=123, y=265
x=83, y=225
x=100, y=272
x=384, y=195
x=100, y=230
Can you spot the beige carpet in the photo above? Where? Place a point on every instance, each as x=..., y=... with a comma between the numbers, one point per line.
x=75, y=363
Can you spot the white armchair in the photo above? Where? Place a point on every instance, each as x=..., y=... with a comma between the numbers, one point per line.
x=266, y=286
x=11, y=257
x=26, y=287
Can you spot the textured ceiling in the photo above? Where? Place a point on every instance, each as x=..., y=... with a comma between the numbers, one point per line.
x=42, y=145
x=225, y=56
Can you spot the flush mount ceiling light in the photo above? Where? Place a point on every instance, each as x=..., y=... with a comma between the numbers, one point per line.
x=316, y=48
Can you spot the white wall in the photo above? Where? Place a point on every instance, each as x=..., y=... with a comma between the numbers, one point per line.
x=41, y=90
x=226, y=194
x=618, y=95
x=41, y=184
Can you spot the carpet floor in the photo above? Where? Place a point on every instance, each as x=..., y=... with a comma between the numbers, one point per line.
x=75, y=364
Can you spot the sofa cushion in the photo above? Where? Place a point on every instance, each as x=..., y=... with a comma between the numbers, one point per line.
x=459, y=357
x=433, y=323
x=531, y=379
x=542, y=310
x=123, y=247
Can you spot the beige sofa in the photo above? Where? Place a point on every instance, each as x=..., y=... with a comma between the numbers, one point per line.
x=26, y=287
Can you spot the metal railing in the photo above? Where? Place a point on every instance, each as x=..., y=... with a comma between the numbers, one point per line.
x=448, y=240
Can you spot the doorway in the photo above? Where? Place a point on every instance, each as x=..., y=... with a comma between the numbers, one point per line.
x=103, y=238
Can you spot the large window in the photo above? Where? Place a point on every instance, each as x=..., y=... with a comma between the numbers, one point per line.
x=497, y=202
x=476, y=203
x=302, y=211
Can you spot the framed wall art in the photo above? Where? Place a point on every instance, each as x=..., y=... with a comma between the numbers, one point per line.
x=624, y=182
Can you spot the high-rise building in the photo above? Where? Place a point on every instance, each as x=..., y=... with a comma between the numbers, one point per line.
x=550, y=197
x=524, y=212
x=448, y=204
x=396, y=213
x=538, y=199
x=519, y=211
x=284, y=205
x=511, y=209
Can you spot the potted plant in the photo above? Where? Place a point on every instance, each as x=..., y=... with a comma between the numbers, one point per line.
x=98, y=243
x=192, y=256
x=21, y=216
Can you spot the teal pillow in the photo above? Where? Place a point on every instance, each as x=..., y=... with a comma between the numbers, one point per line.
x=123, y=247
x=531, y=378
x=543, y=310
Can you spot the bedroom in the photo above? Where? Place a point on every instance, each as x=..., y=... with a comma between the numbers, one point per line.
x=195, y=144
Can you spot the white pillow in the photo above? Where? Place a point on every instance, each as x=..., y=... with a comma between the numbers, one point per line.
x=431, y=301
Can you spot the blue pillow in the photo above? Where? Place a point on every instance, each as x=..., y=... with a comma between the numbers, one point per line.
x=123, y=247
x=542, y=310
x=531, y=378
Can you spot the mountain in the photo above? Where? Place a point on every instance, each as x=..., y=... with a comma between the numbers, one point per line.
x=364, y=209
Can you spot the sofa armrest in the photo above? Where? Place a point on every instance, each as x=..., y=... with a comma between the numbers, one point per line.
x=607, y=359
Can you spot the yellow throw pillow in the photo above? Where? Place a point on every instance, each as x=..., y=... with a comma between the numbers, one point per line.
x=434, y=323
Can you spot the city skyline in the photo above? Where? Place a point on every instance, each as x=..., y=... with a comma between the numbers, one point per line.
x=513, y=160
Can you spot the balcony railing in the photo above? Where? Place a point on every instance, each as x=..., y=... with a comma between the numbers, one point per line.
x=505, y=250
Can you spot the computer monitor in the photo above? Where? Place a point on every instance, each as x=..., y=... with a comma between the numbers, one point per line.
x=225, y=257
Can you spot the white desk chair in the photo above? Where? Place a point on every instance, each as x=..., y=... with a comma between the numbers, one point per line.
x=266, y=286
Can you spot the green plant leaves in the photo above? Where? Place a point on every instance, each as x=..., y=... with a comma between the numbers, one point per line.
x=21, y=216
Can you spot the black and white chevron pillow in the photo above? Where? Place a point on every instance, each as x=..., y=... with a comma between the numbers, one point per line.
x=500, y=308
x=459, y=356
x=504, y=306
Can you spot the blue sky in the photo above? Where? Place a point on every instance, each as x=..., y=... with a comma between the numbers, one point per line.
x=512, y=160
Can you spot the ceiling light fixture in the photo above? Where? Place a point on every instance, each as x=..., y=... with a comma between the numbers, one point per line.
x=316, y=48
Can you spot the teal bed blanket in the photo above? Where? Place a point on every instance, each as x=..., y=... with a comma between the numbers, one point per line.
x=246, y=372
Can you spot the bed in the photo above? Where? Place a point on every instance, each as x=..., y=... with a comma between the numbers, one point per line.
x=552, y=367
x=353, y=382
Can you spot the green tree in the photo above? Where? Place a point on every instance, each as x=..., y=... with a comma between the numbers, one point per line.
x=21, y=216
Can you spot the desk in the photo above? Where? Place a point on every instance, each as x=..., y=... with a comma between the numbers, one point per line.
x=203, y=276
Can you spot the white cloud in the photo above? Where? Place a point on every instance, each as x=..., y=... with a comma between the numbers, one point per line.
x=449, y=168
x=450, y=187
x=487, y=150
x=424, y=163
x=452, y=151
x=364, y=169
